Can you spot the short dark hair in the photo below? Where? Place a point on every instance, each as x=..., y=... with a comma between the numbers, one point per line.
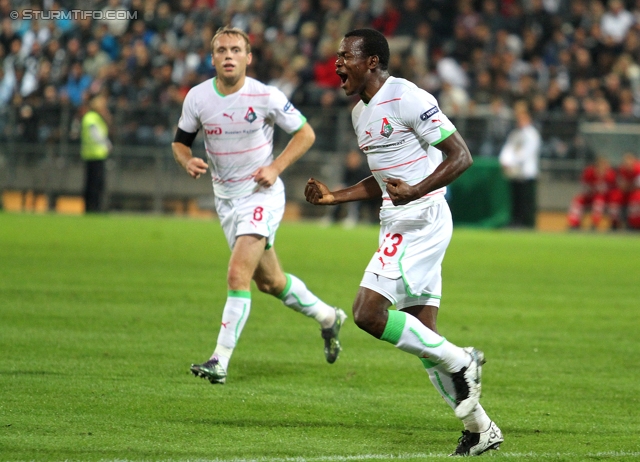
x=373, y=44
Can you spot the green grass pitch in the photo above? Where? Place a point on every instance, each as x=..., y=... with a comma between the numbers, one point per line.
x=101, y=316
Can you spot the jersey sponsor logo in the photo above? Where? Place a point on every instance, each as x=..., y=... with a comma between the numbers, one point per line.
x=250, y=116
x=382, y=146
x=214, y=131
x=225, y=324
x=386, y=129
x=224, y=114
x=368, y=133
x=384, y=263
x=425, y=115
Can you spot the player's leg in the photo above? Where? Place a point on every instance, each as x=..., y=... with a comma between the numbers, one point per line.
x=633, y=210
x=271, y=279
x=576, y=210
x=615, y=204
x=406, y=332
x=477, y=422
x=597, y=209
x=247, y=252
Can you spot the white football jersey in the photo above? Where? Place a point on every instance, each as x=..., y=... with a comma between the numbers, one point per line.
x=238, y=130
x=398, y=131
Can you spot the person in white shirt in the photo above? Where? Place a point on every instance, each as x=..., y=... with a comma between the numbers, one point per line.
x=616, y=22
x=414, y=152
x=237, y=115
x=519, y=159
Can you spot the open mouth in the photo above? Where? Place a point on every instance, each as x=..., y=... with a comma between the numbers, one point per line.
x=343, y=78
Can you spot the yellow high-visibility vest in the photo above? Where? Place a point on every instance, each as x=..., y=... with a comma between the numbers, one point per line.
x=92, y=149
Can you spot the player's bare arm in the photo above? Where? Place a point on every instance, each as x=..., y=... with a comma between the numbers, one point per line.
x=457, y=160
x=299, y=144
x=194, y=166
x=317, y=192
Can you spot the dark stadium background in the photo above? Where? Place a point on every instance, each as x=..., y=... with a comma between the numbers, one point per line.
x=576, y=62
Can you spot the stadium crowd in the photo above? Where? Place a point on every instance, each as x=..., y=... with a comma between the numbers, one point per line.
x=578, y=58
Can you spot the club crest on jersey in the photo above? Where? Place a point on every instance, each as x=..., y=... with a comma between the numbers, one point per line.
x=425, y=115
x=386, y=129
x=250, y=116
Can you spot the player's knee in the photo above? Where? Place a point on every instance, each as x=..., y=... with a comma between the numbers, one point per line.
x=237, y=280
x=368, y=320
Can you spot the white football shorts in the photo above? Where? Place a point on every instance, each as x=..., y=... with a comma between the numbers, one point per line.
x=407, y=267
x=260, y=213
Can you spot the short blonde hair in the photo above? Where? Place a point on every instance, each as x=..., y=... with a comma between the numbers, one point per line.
x=228, y=30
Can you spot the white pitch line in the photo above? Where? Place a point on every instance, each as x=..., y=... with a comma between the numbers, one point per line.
x=336, y=458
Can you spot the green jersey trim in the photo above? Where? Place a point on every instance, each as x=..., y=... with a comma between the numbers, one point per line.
x=303, y=120
x=444, y=134
x=215, y=87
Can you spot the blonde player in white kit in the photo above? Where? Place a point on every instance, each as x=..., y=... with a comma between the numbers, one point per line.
x=413, y=151
x=237, y=115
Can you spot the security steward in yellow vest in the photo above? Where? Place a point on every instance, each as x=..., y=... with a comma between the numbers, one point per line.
x=95, y=148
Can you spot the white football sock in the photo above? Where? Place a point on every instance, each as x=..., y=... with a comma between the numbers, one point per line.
x=234, y=316
x=476, y=422
x=407, y=333
x=297, y=297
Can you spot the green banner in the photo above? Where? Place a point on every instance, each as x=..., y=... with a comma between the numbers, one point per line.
x=480, y=196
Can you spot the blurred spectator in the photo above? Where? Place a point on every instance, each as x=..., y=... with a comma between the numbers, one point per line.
x=27, y=123
x=629, y=190
x=539, y=19
x=27, y=132
x=467, y=17
x=491, y=17
x=362, y=16
x=482, y=89
x=498, y=127
x=519, y=158
x=324, y=72
x=77, y=84
x=50, y=112
x=286, y=80
x=586, y=49
x=7, y=35
x=410, y=19
x=387, y=21
x=616, y=22
x=324, y=121
x=118, y=26
x=454, y=100
x=598, y=182
x=95, y=60
x=7, y=85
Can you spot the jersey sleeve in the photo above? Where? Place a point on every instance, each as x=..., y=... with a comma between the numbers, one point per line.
x=283, y=113
x=189, y=121
x=420, y=112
